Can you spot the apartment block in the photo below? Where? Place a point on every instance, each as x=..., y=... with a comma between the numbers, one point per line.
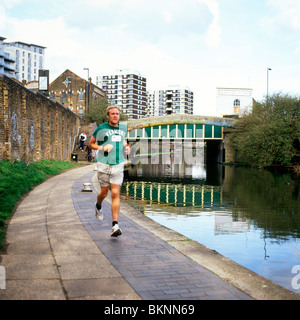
x=127, y=89
x=7, y=63
x=173, y=100
x=29, y=58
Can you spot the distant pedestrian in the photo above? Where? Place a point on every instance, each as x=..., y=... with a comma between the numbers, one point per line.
x=110, y=141
x=82, y=138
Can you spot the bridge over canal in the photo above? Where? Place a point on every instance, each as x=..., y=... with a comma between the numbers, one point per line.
x=180, y=128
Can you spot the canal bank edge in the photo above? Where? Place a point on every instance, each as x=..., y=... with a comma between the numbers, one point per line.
x=251, y=283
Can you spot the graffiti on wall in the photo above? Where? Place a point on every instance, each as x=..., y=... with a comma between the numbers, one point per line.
x=36, y=128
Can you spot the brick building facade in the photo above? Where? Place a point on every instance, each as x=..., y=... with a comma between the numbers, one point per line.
x=74, y=92
x=32, y=127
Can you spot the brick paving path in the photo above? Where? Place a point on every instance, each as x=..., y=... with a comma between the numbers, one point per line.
x=152, y=267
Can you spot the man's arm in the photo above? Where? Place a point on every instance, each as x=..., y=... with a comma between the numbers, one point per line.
x=126, y=147
x=93, y=145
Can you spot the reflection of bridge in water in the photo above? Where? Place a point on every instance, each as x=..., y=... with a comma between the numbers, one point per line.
x=177, y=184
x=189, y=200
x=178, y=195
x=184, y=190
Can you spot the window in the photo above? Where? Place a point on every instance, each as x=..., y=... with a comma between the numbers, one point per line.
x=164, y=131
x=81, y=95
x=63, y=97
x=172, y=131
x=208, y=131
x=236, y=106
x=189, y=131
x=236, y=103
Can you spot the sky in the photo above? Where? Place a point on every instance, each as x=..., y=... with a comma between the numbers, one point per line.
x=199, y=44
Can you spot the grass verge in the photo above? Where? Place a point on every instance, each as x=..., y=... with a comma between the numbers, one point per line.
x=17, y=178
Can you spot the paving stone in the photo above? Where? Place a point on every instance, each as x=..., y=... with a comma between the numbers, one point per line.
x=33, y=289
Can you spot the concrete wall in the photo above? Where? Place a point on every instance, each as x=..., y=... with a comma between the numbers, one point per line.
x=32, y=127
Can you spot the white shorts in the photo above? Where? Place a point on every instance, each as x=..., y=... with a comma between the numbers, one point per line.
x=110, y=174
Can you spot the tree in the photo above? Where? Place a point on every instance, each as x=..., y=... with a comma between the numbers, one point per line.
x=97, y=112
x=269, y=133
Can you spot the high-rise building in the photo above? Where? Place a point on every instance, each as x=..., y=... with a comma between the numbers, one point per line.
x=29, y=58
x=7, y=63
x=127, y=89
x=173, y=100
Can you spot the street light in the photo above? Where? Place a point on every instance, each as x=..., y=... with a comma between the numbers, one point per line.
x=88, y=70
x=268, y=69
x=88, y=91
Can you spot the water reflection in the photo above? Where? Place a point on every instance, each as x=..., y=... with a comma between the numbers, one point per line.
x=251, y=216
x=269, y=200
x=178, y=195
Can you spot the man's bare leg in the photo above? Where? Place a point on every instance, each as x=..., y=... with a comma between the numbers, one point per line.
x=115, y=201
x=115, y=209
x=102, y=195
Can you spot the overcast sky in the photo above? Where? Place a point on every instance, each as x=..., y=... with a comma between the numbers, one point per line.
x=202, y=44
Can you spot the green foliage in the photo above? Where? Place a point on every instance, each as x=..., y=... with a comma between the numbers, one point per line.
x=18, y=178
x=267, y=135
x=97, y=112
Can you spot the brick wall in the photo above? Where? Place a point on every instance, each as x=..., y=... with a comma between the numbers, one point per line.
x=78, y=92
x=32, y=127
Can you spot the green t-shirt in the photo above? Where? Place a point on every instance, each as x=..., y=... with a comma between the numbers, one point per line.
x=106, y=134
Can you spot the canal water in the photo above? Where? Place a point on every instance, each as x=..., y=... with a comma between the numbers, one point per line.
x=249, y=215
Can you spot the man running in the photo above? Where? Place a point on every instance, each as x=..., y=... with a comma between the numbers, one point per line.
x=110, y=141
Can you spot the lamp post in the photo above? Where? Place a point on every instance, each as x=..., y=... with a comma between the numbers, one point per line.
x=268, y=69
x=88, y=70
x=88, y=91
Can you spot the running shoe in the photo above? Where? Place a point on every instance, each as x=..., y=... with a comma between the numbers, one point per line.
x=116, y=231
x=98, y=213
